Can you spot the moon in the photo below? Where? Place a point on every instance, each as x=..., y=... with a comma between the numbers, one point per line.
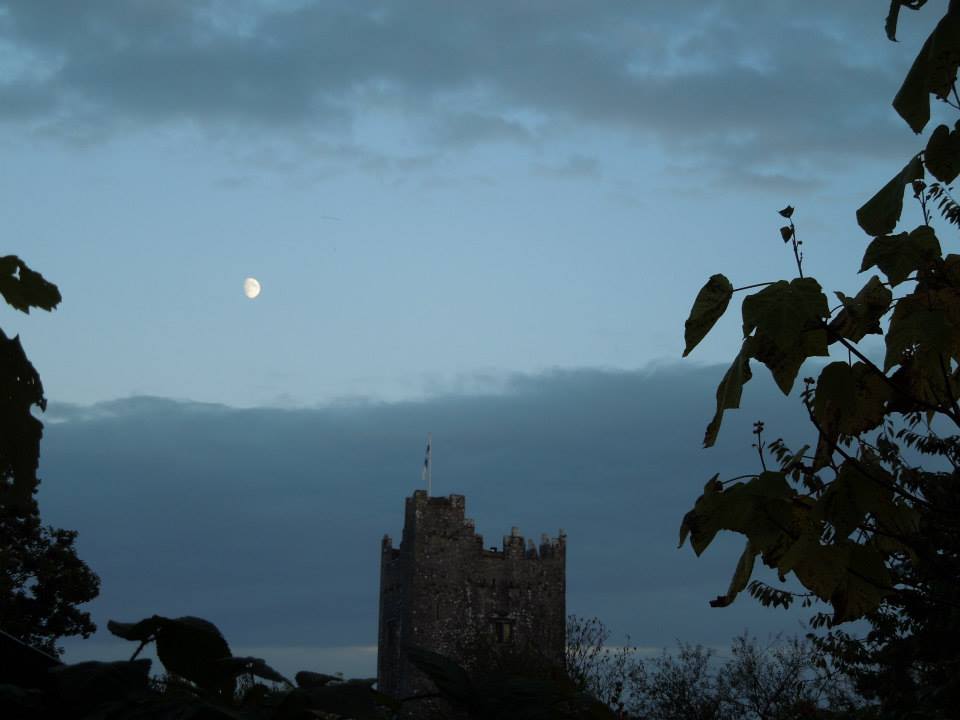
x=251, y=287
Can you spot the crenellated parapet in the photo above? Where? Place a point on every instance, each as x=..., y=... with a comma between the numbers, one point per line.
x=442, y=586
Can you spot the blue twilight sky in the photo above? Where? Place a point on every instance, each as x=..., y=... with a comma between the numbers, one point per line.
x=448, y=205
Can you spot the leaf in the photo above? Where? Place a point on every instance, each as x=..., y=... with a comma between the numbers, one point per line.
x=787, y=212
x=890, y=24
x=741, y=576
x=713, y=486
x=864, y=584
x=782, y=311
x=861, y=314
x=899, y=255
x=849, y=400
x=786, y=232
x=728, y=393
x=881, y=213
x=942, y=156
x=916, y=325
x=852, y=495
x=933, y=72
x=944, y=55
x=24, y=288
x=785, y=365
x=710, y=304
x=759, y=509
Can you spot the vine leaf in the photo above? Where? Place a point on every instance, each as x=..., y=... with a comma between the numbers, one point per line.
x=861, y=314
x=710, y=304
x=729, y=392
x=942, y=156
x=899, y=255
x=881, y=213
x=24, y=288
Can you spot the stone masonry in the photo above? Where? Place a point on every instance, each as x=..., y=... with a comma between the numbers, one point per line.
x=441, y=587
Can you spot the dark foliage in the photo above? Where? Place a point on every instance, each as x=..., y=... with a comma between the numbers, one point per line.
x=866, y=517
x=42, y=581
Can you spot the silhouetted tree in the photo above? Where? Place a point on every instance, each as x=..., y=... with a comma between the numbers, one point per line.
x=867, y=516
x=42, y=581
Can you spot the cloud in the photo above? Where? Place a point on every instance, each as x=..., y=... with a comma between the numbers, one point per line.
x=575, y=166
x=716, y=82
x=268, y=521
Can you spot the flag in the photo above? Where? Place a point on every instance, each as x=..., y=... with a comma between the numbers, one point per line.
x=426, y=461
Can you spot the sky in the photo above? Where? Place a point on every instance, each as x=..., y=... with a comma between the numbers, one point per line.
x=453, y=209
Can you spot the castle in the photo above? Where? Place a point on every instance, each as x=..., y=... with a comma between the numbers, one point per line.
x=442, y=587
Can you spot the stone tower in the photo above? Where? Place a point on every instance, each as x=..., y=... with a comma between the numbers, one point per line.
x=442, y=586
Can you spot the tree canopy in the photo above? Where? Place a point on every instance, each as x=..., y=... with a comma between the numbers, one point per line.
x=867, y=515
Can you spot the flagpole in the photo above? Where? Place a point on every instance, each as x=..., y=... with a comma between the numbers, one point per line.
x=426, y=473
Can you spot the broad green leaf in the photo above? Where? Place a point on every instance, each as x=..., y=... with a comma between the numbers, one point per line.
x=944, y=55
x=850, y=399
x=942, y=156
x=881, y=213
x=899, y=255
x=785, y=364
x=861, y=314
x=866, y=582
x=759, y=509
x=789, y=322
x=916, y=326
x=782, y=311
x=741, y=576
x=728, y=393
x=24, y=288
x=710, y=304
x=912, y=101
x=920, y=378
x=855, y=493
x=933, y=72
x=713, y=486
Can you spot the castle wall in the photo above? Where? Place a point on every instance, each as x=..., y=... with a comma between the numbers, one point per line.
x=441, y=590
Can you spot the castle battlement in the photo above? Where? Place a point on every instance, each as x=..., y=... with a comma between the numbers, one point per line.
x=425, y=514
x=441, y=588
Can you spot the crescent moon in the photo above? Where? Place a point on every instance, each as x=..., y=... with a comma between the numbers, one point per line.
x=251, y=287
